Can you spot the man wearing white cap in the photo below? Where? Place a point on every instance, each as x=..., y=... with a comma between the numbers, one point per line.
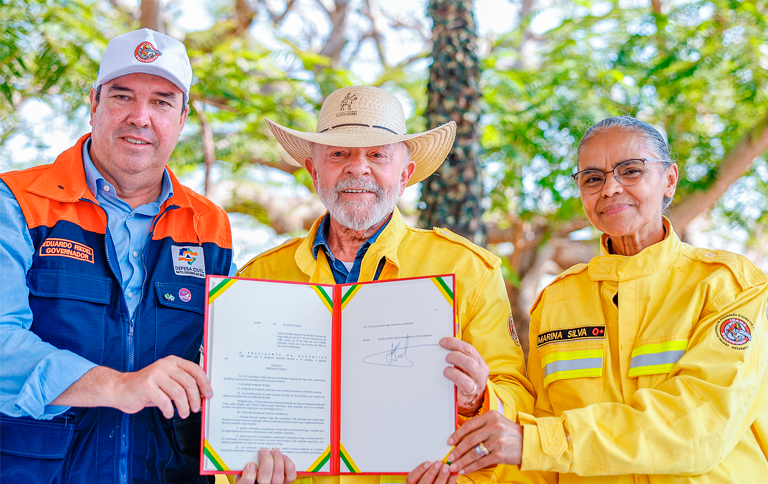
x=104, y=256
x=361, y=159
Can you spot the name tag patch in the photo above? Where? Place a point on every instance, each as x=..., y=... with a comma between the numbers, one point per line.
x=188, y=261
x=584, y=332
x=66, y=248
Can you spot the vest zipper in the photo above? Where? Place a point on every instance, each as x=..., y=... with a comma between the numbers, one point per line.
x=131, y=364
x=126, y=418
x=125, y=421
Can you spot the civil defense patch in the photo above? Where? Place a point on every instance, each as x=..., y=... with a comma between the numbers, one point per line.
x=188, y=261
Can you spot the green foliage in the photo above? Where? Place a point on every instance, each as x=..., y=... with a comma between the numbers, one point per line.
x=239, y=86
x=47, y=49
x=698, y=73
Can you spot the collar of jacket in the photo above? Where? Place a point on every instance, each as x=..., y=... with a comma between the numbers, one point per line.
x=65, y=182
x=386, y=245
x=611, y=267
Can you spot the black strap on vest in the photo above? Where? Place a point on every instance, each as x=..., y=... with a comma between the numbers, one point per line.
x=380, y=268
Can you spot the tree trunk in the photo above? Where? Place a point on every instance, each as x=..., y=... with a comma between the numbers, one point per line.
x=733, y=166
x=452, y=196
x=150, y=15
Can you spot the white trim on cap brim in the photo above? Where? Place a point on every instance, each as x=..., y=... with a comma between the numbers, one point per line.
x=428, y=149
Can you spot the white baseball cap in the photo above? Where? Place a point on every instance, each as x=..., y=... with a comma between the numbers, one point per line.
x=146, y=51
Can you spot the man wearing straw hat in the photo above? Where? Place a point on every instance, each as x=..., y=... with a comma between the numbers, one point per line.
x=104, y=256
x=361, y=159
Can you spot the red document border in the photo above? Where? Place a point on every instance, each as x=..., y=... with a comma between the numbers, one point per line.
x=334, y=397
x=455, y=401
x=335, y=457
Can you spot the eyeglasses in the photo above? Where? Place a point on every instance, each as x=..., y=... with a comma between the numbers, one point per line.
x=627, y=173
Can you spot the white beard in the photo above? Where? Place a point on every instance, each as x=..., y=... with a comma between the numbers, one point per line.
x=358, y=215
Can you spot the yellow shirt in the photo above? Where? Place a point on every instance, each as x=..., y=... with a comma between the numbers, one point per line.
x=483, y=311
x=650, y=369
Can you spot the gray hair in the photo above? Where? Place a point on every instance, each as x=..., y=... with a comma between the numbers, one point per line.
x=653, y=139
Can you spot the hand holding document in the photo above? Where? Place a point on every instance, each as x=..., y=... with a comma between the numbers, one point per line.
x=342, y=379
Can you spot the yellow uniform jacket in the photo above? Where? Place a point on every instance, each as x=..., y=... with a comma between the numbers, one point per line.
x=482, y=307
x=651, y=369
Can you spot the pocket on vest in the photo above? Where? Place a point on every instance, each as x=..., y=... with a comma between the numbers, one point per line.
x=184, y=466
x=69, y=310
x=33, y=447
x=67, y=285
x=180, y=309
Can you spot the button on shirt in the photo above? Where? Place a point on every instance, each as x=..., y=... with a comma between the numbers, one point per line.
x=35, y=372
x=129, y=228
x=341, y=274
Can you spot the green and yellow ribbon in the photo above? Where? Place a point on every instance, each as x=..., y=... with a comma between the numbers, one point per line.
x=347, y=459
x=444, y=289
x=219, y=289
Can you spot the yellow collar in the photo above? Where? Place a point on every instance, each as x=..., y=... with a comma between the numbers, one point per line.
x=386, y=245
x=611, y=267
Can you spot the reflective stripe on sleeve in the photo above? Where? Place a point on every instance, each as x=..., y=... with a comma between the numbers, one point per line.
x=562, y=365
x=656, y=358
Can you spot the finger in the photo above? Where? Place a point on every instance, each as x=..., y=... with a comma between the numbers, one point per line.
x=466, y=447
x=278, y=473
x=415, y=475
x=470, y=426
x=462, y=381
x=264, y=472
x=443, y=475
x=290, y=470
x=189, y=382
x=191, y=391
x=465, y=459
x=463, y=360
x=201, y=379
x=248, y=476
x=159, y=398
x=431, y=474
x=455, y=344
x=472, y=365
x=176, y=392
x=480, y=463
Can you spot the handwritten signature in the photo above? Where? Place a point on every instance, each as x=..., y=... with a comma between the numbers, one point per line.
x=397, y=355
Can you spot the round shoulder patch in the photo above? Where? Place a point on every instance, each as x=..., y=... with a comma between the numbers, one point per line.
x=734, y=331
x=513, y=331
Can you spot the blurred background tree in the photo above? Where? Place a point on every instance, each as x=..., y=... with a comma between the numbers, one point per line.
x=452, y=196
x=694, y=69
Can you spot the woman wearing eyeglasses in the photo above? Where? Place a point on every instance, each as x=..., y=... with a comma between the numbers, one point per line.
x=649, y=363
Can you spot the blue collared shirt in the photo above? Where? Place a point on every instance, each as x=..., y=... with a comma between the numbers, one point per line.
x=129, y=228
x=340, y=273
x=34, y=373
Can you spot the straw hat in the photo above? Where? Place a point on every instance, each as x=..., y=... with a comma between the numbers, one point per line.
x=360, y=116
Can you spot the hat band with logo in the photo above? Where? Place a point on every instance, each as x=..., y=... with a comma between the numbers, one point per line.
x=372, y=117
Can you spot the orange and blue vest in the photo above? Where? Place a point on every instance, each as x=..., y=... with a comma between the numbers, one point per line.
x=77, y=304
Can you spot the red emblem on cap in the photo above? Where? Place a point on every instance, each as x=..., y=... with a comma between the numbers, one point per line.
x=146, y=52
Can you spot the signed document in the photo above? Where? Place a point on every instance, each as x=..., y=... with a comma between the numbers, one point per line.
x=341, y=378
